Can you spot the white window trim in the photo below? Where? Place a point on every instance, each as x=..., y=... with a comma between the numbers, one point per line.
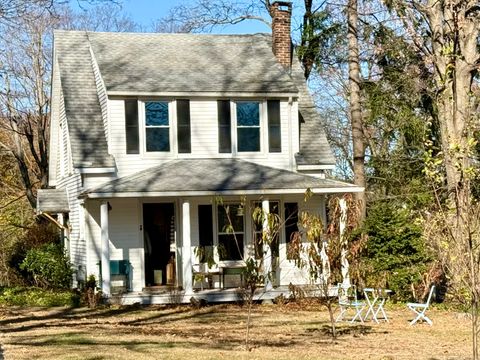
x=172, y=122
x=262, y=125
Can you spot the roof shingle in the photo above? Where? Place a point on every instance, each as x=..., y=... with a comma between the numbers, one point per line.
x=214, y=176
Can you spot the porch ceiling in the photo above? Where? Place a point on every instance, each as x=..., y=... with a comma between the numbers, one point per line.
x=196, y=177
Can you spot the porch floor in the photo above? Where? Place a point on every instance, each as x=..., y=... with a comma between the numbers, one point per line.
x=164, y=295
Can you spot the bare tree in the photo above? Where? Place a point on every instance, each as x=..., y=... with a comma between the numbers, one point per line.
x=451, y=50
x=25, y=66
x=25, y=101
x=205, y=15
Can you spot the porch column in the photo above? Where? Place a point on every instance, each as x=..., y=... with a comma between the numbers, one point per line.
x=105, y=250
x=186, y=249
x=267, y=252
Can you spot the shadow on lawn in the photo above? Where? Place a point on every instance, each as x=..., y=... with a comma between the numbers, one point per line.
x=82, y=341
x=342, y=330
x=88, y=317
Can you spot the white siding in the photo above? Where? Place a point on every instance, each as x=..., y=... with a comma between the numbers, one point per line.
x=204, y=130
x=126, y=242
x=77, y=246
x=93, y=180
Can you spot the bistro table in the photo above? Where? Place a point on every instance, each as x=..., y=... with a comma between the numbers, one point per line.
x=376, y=299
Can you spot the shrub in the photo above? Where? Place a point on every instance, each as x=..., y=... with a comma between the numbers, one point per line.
x=395, y=255
x=48, y=267
x=21, y=296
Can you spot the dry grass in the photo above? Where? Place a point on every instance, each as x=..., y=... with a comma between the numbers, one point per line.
x=217, y=332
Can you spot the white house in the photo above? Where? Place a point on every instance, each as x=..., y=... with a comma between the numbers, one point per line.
x=149, y=131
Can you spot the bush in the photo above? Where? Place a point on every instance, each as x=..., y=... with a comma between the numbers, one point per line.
x=16, y=241
x=21, y=296
x=48, y=267
x=396, y=255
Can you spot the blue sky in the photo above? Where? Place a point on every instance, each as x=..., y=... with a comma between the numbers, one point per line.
x=146, y=11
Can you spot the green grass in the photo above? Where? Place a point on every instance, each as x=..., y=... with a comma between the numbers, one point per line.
x=31, y=296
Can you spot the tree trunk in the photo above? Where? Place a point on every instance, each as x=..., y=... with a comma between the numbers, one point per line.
x=455, y=30
x=355, y=104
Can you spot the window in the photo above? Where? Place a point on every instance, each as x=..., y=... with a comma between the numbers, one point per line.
x=183, y=126
x=230, y=231
x=224, y=127
x=248, y=126
x=157, y=126
x=205, y=232
x=258, y=229
x=291, y=222
x=131, y=126
x=274, y=130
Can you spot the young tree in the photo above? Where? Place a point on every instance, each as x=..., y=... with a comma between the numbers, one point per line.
x=259, y=264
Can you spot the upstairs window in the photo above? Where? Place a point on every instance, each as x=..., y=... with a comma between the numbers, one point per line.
x=157, y=126
x=248, y=126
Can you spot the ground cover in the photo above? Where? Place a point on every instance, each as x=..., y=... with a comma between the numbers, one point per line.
x=288, y=331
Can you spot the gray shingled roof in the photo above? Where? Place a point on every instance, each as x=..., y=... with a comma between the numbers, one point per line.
x=210, y=176
x=189, y=63
x=52, y=201
x=82, y=107
x=314, y=147
x=145, y=63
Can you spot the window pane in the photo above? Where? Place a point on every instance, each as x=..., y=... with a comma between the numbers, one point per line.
x=158, y=139
x=248, y=113
x=248, y=139
x=230, y=247
x=235, y=218
x=156, y=113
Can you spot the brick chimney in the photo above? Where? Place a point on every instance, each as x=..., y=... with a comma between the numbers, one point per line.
x=281, y=12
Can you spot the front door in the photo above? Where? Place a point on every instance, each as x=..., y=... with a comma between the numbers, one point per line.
x=159, y=243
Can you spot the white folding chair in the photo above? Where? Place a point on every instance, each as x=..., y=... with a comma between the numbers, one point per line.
x=420, y=309
x=347, y=298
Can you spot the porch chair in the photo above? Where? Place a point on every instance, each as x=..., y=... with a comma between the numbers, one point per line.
x=347, y=298
x=420, y=309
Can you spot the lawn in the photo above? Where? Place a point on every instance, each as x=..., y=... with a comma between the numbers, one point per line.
x=279, y=332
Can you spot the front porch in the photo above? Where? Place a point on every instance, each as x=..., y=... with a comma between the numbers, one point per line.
x=160, y=227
